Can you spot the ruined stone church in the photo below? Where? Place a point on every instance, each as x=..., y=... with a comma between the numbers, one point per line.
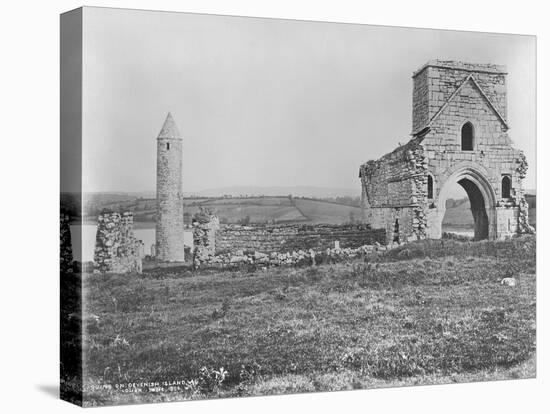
x=459, y=135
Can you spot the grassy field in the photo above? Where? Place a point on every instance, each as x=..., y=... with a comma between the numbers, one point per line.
x=232, y=210
x=428, y=312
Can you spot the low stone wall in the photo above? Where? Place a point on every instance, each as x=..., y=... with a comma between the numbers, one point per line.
x=275, y=245
x=294, y=258
x=116, y=249
x=294, y=237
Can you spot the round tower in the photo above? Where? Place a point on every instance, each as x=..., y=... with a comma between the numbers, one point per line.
x=169, y=229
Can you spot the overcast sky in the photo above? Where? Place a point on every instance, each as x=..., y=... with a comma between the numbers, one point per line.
x=264, y=102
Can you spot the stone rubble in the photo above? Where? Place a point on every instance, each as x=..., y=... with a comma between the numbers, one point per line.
x=508, y=281
x=117, y=250
x=294, y=258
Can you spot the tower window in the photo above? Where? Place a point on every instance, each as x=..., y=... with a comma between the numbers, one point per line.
x=168, y=146
x=506, y=184
x=430, y=187
x=467, y=134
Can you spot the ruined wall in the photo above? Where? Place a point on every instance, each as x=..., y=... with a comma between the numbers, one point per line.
x=205, y=226
x=294, y=237
x=519, y=200
x=116, y=249
x=292, y=258
x=277, y=244
x=394, y=193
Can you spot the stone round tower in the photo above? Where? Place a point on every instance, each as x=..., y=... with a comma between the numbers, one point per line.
x=169, y=230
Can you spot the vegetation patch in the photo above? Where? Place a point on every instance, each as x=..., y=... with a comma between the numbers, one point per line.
x=426, y=312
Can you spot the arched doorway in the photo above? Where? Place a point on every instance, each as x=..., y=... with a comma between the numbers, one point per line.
x=480, y=194
x=458, y=218
x=477, y=206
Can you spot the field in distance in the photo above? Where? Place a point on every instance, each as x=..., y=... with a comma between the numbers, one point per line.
x=275, y=209
x=255, y=209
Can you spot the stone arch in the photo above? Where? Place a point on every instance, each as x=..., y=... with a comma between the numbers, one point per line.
x=474, y=179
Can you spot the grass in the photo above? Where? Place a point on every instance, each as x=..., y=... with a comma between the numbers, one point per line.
x=427, y=312
x=318, y=211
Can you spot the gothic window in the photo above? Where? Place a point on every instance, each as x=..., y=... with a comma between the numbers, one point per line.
x=467, y=134
x=430, y=187
x=506, y=187
x=168, y=146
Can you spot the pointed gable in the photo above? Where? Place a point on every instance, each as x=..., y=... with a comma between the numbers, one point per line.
x=470, y=79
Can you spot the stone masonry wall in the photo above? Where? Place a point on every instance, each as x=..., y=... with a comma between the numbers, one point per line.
x=518, y=198
x=277, y=244
x=293, y=258
x=205, y=226
x=437, y=80
x=394, y=193
x=116, y=249
x=294, y=237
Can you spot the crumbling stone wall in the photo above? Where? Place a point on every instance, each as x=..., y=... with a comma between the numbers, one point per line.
x=65, y=248
x=294, y=237
x=394, y=193
x=519, y=200
x=292, y=258
x=205, y=225
x=446, y=96
x=274, y=244
x=116, y=249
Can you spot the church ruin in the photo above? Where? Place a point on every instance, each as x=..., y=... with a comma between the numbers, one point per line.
x=459, y=135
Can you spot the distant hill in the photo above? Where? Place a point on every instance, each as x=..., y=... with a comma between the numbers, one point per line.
x=259, y=209
x=250, y=191
x=296, y=191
